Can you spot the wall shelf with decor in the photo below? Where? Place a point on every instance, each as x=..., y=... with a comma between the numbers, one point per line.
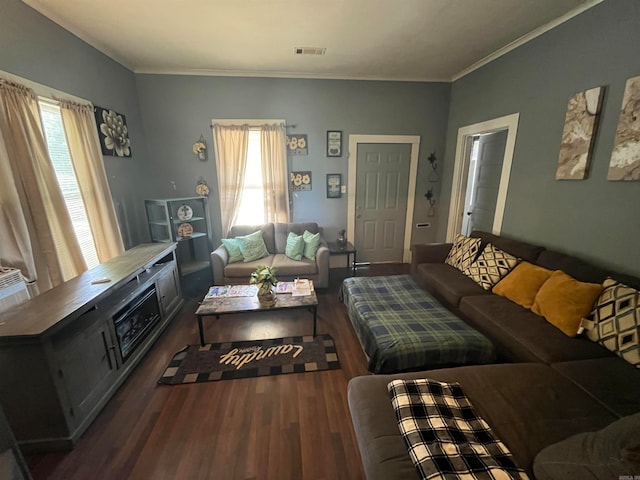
x=186, y=222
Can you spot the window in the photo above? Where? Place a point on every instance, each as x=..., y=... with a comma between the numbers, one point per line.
x=65, y=173
x=251, y=211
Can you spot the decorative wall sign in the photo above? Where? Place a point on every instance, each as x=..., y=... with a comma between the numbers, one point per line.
x=334, y=143
x=580, y=125
x=625, y=158
x=113, y=132
x=334, y=183
x=300, y=181
x=297, y=144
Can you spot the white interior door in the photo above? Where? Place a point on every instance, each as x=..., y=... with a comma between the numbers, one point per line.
x=485, y=171
x=382, y=186
x=461, y=171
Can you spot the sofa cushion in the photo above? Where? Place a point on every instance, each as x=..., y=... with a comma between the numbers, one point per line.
x=447, y=283
x=564, y=301
x=613, y=452
x=282, y=231
x=289, y=267
x=517, y=248
x=267, y=230
x=616, y=321
x=610, y=380
x=252, y=246
x=311, y=244
x=573, y=266
x=244, y=269
x=528, y=406
x=295, y=246
x=522, y=284
x=463, y=252
x=490, y=266
x=520, y=335
x=233, y=249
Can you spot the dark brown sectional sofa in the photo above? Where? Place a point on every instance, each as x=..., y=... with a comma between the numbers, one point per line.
x=547, y=387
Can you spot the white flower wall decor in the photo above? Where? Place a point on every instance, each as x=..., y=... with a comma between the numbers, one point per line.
x=113, y=132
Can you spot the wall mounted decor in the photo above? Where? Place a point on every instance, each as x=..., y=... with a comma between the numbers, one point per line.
x=300, y=181
x=334, y=184
x=297, y=145
x=200, y=149
x=113, y=132
x=202, y=188
x=431, y=198
x=433, y=174
x=625, y=158
x=334, y=143
x=578, y=136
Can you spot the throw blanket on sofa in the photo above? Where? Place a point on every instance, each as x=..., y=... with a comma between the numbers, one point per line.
x=445, y=436
x=402, y=327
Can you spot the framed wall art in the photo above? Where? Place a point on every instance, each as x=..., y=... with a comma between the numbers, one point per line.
x=297, y=145
x=113, y=132
x=580, y=126
x=625, y=158
x=334, y=143
x=300, y=181
x=334, y=184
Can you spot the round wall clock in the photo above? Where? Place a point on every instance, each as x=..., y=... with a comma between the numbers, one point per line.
x=185, y=230
x=185, y=212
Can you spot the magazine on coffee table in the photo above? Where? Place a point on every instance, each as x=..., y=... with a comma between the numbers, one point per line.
x=232, y=291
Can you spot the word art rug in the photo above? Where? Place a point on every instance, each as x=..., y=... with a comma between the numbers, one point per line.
x=229, y=360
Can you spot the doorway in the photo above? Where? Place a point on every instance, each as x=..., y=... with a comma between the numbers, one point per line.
x=385, y=149
x=462, y=189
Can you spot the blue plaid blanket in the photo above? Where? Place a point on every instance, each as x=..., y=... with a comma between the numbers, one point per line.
x=446, y=438
x=402, y=327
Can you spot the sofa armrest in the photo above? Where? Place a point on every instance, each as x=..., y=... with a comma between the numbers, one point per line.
x=322, y=262
x=428, y=253
x=219, y=260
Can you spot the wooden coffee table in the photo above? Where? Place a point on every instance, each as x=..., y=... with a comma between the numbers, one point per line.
x=216, y=306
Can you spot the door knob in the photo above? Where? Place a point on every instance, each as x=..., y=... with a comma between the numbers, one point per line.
x=469, y=213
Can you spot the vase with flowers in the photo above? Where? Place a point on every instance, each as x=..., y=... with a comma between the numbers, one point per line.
x=265, y=278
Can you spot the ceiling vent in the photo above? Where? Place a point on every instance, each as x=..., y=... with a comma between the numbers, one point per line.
x=309, y=50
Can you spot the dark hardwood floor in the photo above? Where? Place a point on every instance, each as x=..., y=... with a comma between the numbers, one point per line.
x=293, y=426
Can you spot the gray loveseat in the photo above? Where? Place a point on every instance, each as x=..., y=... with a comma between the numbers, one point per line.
x=550, y=387
x=275, y=239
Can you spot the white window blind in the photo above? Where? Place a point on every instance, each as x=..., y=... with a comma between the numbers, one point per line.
x=65, y=173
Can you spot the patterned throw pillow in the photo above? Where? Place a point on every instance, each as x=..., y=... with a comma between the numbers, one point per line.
x=295, y=246
x=463, y=252
x=233, y=249
x=311, y=244
x=491, y=266
x=252, y=246
x=616, y=321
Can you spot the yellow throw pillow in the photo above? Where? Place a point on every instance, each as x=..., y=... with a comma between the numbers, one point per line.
x=564, y=301
x=522, y=284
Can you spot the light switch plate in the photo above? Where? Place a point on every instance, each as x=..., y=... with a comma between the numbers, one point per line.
x=343, y=189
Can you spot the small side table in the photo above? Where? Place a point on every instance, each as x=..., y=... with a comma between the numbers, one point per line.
x=348, y=250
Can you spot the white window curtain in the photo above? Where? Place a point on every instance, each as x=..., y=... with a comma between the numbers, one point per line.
x=35, y=235
x=273, y=142
x=231, y=145
x=86, y=156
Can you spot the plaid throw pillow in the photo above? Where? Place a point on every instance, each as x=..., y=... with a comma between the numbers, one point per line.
x=463, y=253
x=491, y=266
x=616, y=321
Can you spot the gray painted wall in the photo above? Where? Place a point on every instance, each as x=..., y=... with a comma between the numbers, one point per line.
x=35, y=48
x=594, y=218
x=177, y=109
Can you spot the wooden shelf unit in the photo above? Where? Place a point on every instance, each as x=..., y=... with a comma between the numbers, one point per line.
x=164, y=222
x=59, y=358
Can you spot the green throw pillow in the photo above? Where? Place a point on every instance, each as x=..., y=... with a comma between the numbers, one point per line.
x=311, y=244
x=252, y=246
x=295, y=246
x=233, y=249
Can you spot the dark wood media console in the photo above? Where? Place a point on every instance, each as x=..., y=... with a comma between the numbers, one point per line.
x=61, y=353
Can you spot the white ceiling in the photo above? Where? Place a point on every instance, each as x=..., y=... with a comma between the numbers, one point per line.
x=410, y=40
